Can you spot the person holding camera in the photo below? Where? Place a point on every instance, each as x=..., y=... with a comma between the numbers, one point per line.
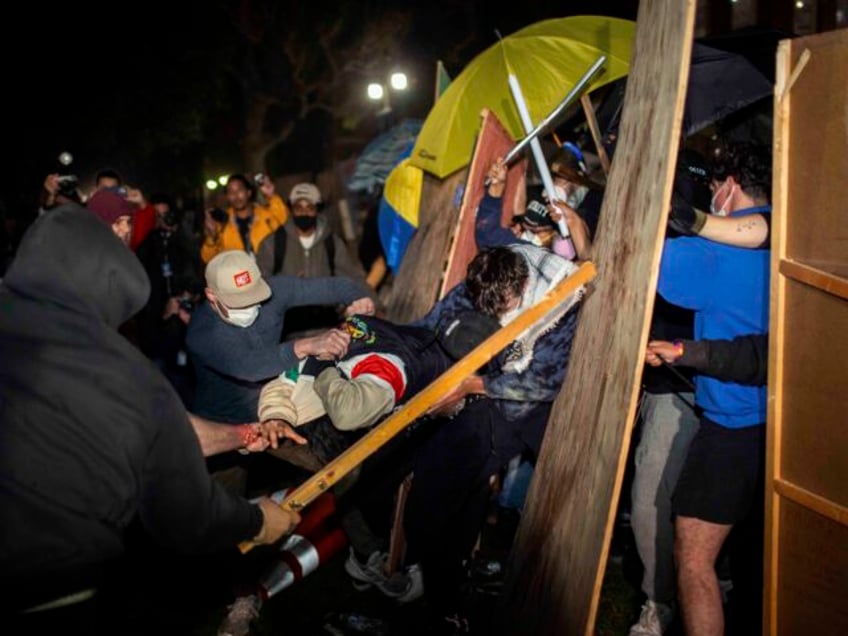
x=58, y=190
x=246, y=224
x=175, y=285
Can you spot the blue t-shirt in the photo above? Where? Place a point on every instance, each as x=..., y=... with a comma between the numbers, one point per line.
x=728, y=288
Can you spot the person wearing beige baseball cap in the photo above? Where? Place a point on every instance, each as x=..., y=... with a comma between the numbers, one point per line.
x=234, y=342
x=235, y=287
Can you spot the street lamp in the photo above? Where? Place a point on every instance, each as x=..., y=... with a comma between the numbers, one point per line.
x=379, y=92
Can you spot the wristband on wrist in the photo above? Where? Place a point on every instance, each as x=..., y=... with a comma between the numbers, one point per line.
x=678, y=349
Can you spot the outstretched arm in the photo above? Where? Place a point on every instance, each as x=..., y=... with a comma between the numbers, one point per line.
x=751, y=230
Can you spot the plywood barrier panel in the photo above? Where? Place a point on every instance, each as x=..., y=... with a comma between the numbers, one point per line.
x=492, y=141
x=818, y=138
x=815, y=385
x=556, y=567
x=416, y=285
x=813, y=581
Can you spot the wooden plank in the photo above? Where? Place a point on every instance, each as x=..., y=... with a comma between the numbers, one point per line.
x=492, y=141
x=815, y=384
x=806, y=440
x=814, y=573
x=366, y=446
x=815, y=277
x=777, y=338
x=557, y=563
x=812, y=501
x=818, y=135
x=592, y=121
x=416, y=286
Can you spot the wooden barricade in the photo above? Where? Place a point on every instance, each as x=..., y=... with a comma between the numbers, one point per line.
x=556, y=568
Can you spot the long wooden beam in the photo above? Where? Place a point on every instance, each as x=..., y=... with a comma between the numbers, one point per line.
x=558, y=560
x=334, y=471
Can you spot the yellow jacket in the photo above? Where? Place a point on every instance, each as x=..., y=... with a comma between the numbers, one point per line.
x=265, y=221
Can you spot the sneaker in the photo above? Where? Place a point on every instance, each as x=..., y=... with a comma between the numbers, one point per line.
x=373, y=572
x=414, y=584
x=654, y=619
x=240, y=614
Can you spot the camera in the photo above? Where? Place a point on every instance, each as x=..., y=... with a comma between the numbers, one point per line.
x=219, y=215
x=259, y=179
x=68, y=185
x=186, y=304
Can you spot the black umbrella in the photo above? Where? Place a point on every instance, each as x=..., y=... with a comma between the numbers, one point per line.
x=721, y=83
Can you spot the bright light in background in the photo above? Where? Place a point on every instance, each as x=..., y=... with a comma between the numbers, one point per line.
x=375, y=91
x=223, y=179
x=799, y=5
x=211, y=184
x=398, y=81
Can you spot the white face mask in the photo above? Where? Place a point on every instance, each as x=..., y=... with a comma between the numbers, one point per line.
x=722, y=211
x=242, y=317
x=531, y=237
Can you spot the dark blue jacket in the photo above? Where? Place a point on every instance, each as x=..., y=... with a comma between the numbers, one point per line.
x=232, y=363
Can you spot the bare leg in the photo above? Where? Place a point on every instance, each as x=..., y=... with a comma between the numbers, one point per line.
x=696, y=548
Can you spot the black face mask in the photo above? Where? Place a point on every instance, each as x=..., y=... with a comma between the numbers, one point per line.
x=305, y=222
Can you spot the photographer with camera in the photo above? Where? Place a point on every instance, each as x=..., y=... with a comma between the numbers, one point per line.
x=247, y=224
x=57, y=190
x=175, y=285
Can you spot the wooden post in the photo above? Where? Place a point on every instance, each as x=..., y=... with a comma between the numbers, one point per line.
x=558, y=559
x=592, y=121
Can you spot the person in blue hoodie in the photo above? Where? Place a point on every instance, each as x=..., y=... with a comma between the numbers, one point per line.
x=727, y=288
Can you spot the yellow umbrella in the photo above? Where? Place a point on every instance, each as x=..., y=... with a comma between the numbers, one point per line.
x=547, y=57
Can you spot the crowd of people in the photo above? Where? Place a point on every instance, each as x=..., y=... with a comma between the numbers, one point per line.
x=147, y=376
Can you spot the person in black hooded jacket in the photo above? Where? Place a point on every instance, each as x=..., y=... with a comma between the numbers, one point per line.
x=91, y=434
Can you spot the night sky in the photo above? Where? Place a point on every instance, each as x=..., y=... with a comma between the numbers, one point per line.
x=107, y=83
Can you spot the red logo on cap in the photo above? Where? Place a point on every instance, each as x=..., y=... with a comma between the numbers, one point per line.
x=242, y=278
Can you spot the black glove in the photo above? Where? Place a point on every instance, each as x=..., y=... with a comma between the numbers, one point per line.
x=684, y=218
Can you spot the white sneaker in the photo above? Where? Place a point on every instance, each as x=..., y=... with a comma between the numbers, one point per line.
x=414, y=584
x=241, y=613
x=404, y=586
x=373, y=572
x=654, y=619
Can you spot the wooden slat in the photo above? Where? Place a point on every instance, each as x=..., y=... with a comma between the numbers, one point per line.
x=592, y=121
x=366, y=446
x=556, y=568
x=804, y=497
x=777, y=337
x=815, y=277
